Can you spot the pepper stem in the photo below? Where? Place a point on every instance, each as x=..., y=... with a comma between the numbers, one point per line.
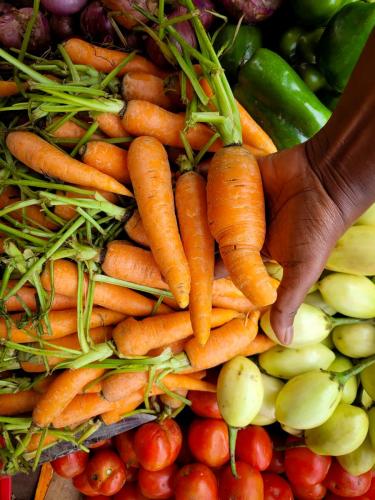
x=232, y=449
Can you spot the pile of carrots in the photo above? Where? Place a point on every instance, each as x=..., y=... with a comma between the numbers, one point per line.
x=165, y=247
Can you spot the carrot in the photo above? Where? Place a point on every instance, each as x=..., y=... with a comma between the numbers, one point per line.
x=135, y=230
x=145, y=87
x=63, y=323
x=28, y=296
x=121, y=407
x=82, y=408
x=105, y=60
x=70, y=130
x=122, y=385
x=91, y=388
x=236, y=216
x=45, y=478
x=8, y=88
x=198, y=244
x=171, y=401
x=175, y=347
x=19, y=402
x=224, y=343
x=68, y=212
x=107, y=158
x=151, y=178
x=181, y=381
x=144, y=118
x=114, y=297
x=136, y=338
x=46, y=159
x=35, y=440
x=42, y=385
x=123, y=261
x=110, y=124
x=98, y=335
x=61, y=392
x=260, y=344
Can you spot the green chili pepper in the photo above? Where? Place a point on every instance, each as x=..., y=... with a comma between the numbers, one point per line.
x=317, y=12
x=343, y=41
x=279, y=100
x=307, y=45
x=289, y=42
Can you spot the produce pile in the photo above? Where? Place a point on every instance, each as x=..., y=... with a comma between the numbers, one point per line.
x=132, y=276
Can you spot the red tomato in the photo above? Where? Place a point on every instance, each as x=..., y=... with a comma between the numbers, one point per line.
x=70, y=465
x=157, y=444
x=106, y=472
x=248, y=485
x=131, y=474
x=2, y=445
x=195, y=481
x=254, y=446
x=96, y=497
x=209, y=442
x=185, y=456
x=204, y=404
x=277, y=462
x=81, y=483
x=340, y=482
x=129, y=492
x=369, y=495
x=104, y=443
x=276, y=487
x=157, y=484
x=124, y=444
x=303, y=467
x=312, y=492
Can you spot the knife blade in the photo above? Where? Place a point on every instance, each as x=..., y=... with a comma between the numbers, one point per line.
x=104, y=432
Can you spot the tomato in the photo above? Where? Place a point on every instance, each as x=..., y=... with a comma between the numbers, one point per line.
x=124, y=444
x=254, y=446
x=195, y=481
x=2, y=445
x=204, y=404
x=312, y=492
x=369, y=495
x=209, y=442
x=157, y=484
x=276, y=487
x=104, y=443
x=340, y=482
x=131, y=474
x=96, y=497
x=248, y=485
x=157, y=444
x=81, y=483
x=277, y=462
x=70, y=465
x=129, y=492
x=303, y=467
x=106, y=472
x=185, y=456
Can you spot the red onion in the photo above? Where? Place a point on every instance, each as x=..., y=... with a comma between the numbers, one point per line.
x=5, y=8
x=95, y=23
x=13, y=26
x=62, y=27
x=252, y=10
x=185, y=29
x=206, y=17
x=64, y=7
x=132, y=16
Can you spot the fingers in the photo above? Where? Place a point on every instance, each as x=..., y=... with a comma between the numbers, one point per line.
x=297, y=280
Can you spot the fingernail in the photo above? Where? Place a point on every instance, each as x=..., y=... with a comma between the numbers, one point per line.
x=288, y=336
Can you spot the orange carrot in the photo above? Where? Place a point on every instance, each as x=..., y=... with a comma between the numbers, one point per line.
x=236, y=216
x=68, y=212
x=107, y=158
x=198, y=244
x=18, y=402
x=171, y=401
x=82, y=408
x=105, y=60
x=35, y=440
x=151, y=178
x=70, y=130
x=136, y=338
x=145, y=87
x=175, y=347
x=114, y=297
x=260, y=344
x=61, y=392
x=121, y=407
x=28, y=296
x=63, y=323
x=123, y=260
x=224, y=343
x=46, y=159
x=144, y=118
x=45, y=478
x=135, y=230
x=122, y=385
x=36, y=365
x=111, y=125
x=42, y=384
x=8, y=88
x=91, y=388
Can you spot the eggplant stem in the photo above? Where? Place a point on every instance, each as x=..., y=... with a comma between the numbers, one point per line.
x=232, y=449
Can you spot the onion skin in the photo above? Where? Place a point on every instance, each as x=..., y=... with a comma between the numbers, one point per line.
x=5, y=8
x=13, y=26
x=95, y=24
x=206, y=17
x=62, y=26
x=63, y=7
x=132, y=16
x=253, y=11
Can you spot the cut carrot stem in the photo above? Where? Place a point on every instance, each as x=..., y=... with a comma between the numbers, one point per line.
x=114, y=297
x=145, y=87
x=136, y=338
x=135, y=230
x=46, y=159
x=151, y=178
x=107, y=158
x=191, y=204
x=144, y=118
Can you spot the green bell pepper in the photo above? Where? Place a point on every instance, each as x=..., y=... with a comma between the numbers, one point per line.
x=279, y=100
x=238, y=47
x=343, y=41
x=317, y=12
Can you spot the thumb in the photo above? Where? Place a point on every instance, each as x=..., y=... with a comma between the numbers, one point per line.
x=296, y=282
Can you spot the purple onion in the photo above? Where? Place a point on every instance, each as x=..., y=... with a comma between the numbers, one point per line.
x=13, y=27
x=206, y=17
x=95, y=23
x=62, y=27
x=252, y=10
x=184, y=28
x=64, y=7
x=5, y=8
x=133, y=16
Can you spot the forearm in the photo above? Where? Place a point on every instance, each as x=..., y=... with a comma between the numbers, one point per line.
x=343, y=153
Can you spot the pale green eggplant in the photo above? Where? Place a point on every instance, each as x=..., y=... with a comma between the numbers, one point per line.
x=365, y=400
x=349, y=391
x=371, y=417
x=367, y=217
x=271, y=388
x=368, y=381
x=360, y=460
x=355, y=341
x=315, y=299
